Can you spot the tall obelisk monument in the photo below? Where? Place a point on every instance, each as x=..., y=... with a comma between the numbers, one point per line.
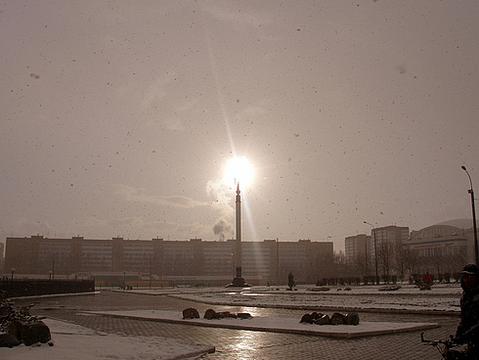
x=238, y=280
x=238, y=233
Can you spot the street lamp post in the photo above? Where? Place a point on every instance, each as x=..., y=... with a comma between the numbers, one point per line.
x=13, y=272
x=471, y=191
x=375, y=251
x=52, y=272
x=149, y=272
x=366, y=267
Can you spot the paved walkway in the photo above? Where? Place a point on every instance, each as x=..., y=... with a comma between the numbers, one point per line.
x=241, y=344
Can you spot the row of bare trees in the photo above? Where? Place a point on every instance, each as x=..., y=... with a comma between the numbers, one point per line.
x=395, y=260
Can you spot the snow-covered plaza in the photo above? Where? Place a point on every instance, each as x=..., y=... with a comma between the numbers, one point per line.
x=144, y=324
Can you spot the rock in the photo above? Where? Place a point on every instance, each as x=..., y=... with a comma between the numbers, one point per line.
x=20, y=325
x=352, y=319
x=29, y=332
x=8, y=340
x=210, y=314
x=347, y=288
x=244, y=316
x=14, y=329
x=315, y=315
x=35, y=332
x=191, y=313
x=226, y=314
x=337, y=319
x=50, y=343
x=306, y=318
x=323, y=320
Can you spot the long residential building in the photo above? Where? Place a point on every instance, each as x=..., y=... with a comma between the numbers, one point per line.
x=263, y=262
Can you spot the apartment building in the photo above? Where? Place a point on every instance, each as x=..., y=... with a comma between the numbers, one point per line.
x=356, y=248
x=267, y=261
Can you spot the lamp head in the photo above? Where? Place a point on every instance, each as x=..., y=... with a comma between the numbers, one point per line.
x=463, y=168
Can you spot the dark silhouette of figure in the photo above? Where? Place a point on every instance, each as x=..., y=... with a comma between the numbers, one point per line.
x=291, y=282
x=468, y=329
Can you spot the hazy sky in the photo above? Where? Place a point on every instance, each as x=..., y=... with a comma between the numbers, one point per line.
x=117, y=117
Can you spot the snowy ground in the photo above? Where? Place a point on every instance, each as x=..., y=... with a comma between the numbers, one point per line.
x=441, y=299
x=74, y=342
x=438, y=289
x=277, y=324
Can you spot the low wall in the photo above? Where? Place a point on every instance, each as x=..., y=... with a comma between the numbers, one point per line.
x=31, y=287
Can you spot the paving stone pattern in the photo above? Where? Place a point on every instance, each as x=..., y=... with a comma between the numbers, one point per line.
x=241, y=344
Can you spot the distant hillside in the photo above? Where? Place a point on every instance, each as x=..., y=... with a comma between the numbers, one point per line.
x=459, y=223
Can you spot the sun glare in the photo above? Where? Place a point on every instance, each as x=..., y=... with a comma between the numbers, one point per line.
x=239, y=169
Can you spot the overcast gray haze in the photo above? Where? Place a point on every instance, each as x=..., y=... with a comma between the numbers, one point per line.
x=117, y=117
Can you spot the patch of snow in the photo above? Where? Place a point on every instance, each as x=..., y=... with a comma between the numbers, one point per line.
x=277, y=324
x=442, y=299
x=446, y=303
x=74, y=342
x=373, y=290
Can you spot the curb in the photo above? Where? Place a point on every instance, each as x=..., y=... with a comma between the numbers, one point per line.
x=327, y=308
x=54, y=295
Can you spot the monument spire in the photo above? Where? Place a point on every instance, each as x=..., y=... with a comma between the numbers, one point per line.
x=238, y=280
x=238, y=232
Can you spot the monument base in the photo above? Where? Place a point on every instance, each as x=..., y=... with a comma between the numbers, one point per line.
x=238, y=282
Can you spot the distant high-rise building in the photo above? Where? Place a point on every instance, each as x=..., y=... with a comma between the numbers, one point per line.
x=356, y=248
x=388, y=241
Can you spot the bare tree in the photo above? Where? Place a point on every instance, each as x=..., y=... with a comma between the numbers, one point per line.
x=409, y=260
x=359, y=265
x=385, y=258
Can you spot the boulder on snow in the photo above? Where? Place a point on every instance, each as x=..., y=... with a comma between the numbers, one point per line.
x=29, y=332
x=307, y=319
x=244, y=316
x=323, y=320
x=191, y=313
x=210, y=314
x=338, y=319
x=352, y=318
x=8, y=340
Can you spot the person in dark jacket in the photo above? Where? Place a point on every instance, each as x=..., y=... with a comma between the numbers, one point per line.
x=468, y=329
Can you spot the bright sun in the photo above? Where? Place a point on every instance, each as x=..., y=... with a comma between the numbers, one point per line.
x=238, y=169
